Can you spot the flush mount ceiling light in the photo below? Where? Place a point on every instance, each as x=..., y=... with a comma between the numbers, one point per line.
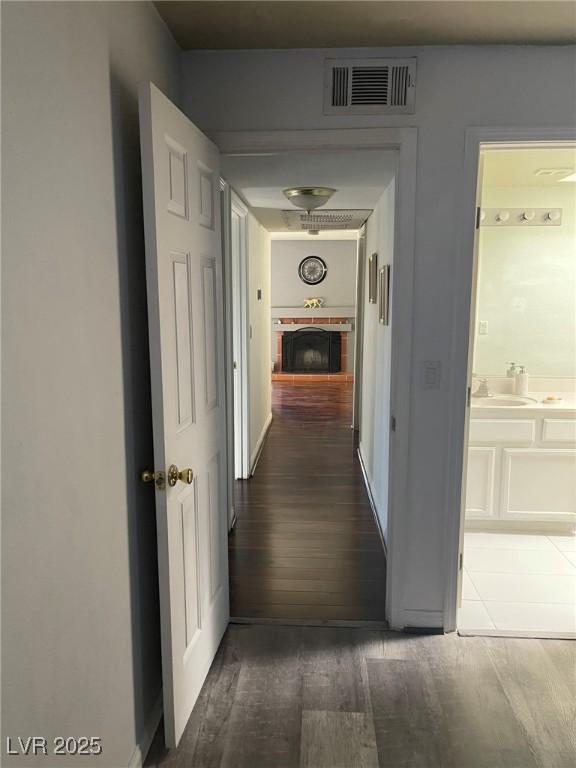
x=309, y=198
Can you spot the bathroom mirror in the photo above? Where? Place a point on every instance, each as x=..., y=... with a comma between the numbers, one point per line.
x=526, y=280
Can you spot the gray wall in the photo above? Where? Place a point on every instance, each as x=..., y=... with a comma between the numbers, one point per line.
x=377, y=348
x=338, y=287
x=80, y=629
x=458, y=87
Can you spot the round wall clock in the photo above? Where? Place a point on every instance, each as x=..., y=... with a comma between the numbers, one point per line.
x=312, y=270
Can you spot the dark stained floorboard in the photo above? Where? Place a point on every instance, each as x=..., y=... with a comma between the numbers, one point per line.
x=305, y=545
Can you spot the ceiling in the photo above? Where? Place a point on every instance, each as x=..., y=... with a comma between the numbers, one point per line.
x=519, y=167
x=236, y=24
x=359, y=176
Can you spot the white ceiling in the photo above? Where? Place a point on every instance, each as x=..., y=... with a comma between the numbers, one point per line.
x=360, y=177
x=518, y=167
x=237, y=24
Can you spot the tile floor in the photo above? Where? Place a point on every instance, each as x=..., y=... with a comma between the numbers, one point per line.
x=518, y=583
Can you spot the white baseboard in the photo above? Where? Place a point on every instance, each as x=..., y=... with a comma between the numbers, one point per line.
x=372, y=501
x=423, y=619
x=259, y=445
x=142, y=748
x=541, y=527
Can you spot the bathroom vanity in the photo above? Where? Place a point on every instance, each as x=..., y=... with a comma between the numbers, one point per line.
x=521, y=463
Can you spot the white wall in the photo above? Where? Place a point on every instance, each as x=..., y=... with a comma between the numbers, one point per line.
x=259, y=344
x=377, y=346
x=458, y=87
x=338, y=287
x=527, y=286
x=80, y=629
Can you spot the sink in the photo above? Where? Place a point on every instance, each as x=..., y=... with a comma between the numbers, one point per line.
x=503, y=401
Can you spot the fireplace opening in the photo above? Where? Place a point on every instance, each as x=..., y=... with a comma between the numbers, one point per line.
x=311, y=350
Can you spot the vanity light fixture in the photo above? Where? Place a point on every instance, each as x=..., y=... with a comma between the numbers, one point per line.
x=309, y=198
x=521, y=217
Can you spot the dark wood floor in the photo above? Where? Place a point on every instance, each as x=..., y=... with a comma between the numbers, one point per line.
x=305, y=545
x=326, y=697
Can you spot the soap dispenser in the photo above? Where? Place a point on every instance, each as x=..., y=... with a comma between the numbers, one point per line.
x=521, y=381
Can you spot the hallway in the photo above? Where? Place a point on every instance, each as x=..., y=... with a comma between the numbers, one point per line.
x=305, y=545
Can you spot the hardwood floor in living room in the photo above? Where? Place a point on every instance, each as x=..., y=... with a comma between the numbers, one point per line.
x=305, y=545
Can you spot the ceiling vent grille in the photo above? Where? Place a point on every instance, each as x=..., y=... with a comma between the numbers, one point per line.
x=340, y=86
x=369, y=86
x=340, y=219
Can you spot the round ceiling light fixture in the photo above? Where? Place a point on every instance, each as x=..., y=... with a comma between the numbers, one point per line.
x=309, y=198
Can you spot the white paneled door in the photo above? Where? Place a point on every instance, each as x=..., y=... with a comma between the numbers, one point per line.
x=180, y=170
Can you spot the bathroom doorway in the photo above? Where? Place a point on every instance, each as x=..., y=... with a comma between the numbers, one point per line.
x=519, y=492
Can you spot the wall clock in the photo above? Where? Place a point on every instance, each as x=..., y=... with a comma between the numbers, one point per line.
x=312, y=270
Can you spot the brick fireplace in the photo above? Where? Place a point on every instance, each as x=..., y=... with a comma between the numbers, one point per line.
x=302, y=323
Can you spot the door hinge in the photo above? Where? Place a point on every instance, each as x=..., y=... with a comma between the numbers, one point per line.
x=478, y=217
x=469, y=397
x=393, y=423
x=461, y=561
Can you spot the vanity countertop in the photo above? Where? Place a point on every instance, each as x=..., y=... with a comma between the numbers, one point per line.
x=566, y=405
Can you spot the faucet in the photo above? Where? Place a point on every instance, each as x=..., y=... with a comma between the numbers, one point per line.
x=482, y=390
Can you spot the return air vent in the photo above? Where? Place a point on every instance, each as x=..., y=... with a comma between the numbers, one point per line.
x=300, y=221
x=369, y=86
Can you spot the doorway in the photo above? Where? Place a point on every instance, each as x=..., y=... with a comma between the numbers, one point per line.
x=311, y=522
x=238, y=214
x=189, y=305
x=519, y=490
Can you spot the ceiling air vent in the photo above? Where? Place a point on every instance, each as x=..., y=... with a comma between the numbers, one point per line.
x=369, y=86
x=323, y=221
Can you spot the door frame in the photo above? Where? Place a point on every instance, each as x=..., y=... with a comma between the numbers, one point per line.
x=359, y=329
x=240, y=330
x=463, y=271
x=229, y=384
x=404, y=140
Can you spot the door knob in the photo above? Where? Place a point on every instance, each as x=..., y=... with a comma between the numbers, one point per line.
x=159, y=478
x=175, y=474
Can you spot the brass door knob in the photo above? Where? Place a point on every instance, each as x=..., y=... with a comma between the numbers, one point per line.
x=175, y=474
x=158, y=478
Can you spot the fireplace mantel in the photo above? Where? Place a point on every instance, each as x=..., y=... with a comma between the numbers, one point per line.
x=342, y=327
x=279, y=313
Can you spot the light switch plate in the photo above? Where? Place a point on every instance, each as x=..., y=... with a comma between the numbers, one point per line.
x=431, y=371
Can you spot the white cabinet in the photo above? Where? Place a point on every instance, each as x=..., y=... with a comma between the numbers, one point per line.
x=480, y=482
x=538, y=484
x=521, y=467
